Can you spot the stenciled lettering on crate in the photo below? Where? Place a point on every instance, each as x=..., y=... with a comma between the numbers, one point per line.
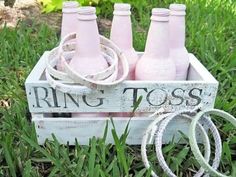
x=122, y=98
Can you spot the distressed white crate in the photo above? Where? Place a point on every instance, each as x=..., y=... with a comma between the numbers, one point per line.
x=200, y=88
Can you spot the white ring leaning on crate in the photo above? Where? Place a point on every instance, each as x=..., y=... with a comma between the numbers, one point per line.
x=209, y=124
x=153, y=125
x=193, y=142
x=107, y=82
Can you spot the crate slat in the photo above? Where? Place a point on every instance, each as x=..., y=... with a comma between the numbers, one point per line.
x=69, y=129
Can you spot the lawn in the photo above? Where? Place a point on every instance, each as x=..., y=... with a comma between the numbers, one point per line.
x=211, y=36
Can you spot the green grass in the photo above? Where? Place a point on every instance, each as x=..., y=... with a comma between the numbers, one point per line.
x=211, y=36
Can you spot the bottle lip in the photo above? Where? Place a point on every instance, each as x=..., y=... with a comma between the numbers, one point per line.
x=122, y=6
x=160, y=14
x=70, y=7
x=160, y=11
x=177, y=9
x=122, y=9
x=87, y=13
x=86, y=10
x=70, y=4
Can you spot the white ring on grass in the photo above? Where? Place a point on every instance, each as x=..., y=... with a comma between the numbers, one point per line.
x=193, y=142
x=205, y=121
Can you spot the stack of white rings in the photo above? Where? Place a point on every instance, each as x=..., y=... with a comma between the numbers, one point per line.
x=70, y=81
x=158, y=126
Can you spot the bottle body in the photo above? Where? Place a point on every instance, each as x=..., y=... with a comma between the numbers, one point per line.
x=152, y=69
x=181, y=59
x=122, y=36
x=156, y=63
x=178, y=52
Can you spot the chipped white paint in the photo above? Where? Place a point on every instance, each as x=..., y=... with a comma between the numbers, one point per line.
x=201, y=88
x=68, y=129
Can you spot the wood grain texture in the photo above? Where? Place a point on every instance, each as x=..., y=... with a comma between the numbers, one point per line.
x=67, y=130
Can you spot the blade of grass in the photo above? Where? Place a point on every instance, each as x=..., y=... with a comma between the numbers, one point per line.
x=9, y=159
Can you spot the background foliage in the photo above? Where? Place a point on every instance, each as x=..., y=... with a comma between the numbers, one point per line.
x=105, y=7
x=211, y=36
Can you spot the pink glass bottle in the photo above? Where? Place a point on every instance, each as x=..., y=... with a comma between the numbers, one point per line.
x=88, y=58
x=155, y=64
x=69, y=22
x=178, y=52
x=69, y=17
x=121, y=35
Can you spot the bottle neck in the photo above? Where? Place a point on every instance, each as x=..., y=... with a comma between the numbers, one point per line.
x=88, y=40
x=157, y=45
x=177, y=31
x=121, y=31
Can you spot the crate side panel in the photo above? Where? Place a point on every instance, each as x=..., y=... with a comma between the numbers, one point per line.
x=201, y=70
x=171, y=96
x=67, y=130
x=38, y=70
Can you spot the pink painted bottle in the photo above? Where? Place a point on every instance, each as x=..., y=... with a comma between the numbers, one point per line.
x=156, y=64
x=122, y=36
x=88, y=58
x=178, y=51
x=69, y=22
x=69, y=17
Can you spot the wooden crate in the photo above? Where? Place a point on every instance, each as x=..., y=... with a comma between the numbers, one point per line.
x=200, y=88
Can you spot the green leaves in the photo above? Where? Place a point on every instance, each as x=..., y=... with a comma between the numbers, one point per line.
x=8, y=157
x=120, y=144
x=92, y=169
x=56, y=5
x=137, y=103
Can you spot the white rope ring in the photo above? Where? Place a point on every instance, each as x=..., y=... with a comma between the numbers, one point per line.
x=66, y=79
x=193, y=141
x=156, y=123
x=52, y=61
x=107, y=52
x=145, y=141
x=107, y=82
x=68, y=87
x=205, y=121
